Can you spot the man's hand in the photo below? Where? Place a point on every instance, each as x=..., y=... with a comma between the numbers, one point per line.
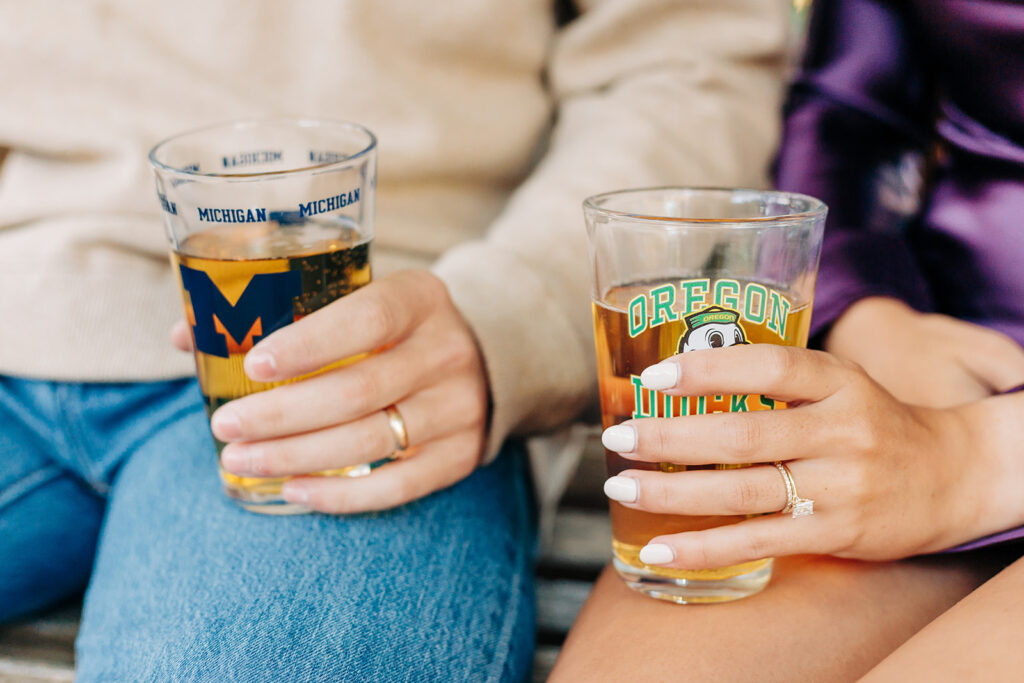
x=426, y=363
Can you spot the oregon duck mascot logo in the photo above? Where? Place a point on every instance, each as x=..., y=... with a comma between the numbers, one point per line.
x=712, y=328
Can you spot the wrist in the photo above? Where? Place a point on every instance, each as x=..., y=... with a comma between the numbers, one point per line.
x=992, y=465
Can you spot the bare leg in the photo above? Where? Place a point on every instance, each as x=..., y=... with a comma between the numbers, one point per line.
x=819, y=619
x=978, y=639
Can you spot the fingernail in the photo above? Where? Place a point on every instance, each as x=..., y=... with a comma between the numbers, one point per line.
x=656, y=553
x=260, y=365
x=664, y=375
x=622, y=489
x=225, y=425
x=294, y=493
x=620, y=438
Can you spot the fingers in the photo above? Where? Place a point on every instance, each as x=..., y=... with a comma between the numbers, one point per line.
x=995, y=359
x=381, y=313
x=435, y=466
x=442, y=409
x=746, y=491
x=726, y=438
x=785, y=373
x=340, y=395
x=753, y=539
x=181, y=336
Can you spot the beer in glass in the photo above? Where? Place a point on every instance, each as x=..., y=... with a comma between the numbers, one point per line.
x=268, y=221
x=677, y=270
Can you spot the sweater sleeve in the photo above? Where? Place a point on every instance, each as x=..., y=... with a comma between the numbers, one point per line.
x=646, y=93
x=855, y=129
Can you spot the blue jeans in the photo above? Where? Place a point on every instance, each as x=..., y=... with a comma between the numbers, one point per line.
x=114, y=487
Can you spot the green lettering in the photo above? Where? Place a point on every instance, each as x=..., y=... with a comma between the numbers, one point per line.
x=639, y=393
x=637, y=315
x=664, y=298
x=727, y=294
x=694, y=292
x=748, y=303
x=779, y=313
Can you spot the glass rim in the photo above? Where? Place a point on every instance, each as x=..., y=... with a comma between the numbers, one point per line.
x=817, y=208
x=241, y=123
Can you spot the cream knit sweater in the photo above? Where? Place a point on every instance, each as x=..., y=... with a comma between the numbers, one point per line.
x=494, y=124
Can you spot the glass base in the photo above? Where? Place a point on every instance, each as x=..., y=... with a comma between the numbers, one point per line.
x=694, y=591
x=269, y=503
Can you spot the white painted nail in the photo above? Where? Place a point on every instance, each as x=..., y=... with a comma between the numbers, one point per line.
x=656, y=553
x=620, y=438
x=622, y=489
x=664, y=375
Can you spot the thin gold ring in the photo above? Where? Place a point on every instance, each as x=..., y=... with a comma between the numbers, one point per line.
x=398, y=429
x=797, y=506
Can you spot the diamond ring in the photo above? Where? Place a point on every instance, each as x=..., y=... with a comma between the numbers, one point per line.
x=799, y=507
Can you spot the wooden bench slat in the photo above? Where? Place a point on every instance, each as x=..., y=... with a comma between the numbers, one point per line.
x=543, y=661
x=581, y=540
x=558, y=603
x=28, y=670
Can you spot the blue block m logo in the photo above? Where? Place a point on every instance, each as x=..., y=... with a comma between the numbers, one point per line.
x=267, y=299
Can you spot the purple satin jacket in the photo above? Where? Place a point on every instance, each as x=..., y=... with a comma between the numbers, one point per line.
x=907, y=119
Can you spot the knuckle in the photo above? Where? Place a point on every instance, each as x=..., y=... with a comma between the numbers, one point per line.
x=699, y=557
x=433, y=287
x=265, y=417
x=779, y=363
x=654, y=494
x=656, y=434
x=742, y=497
x=263, y=463
x=359, y=389
x=742, y=436
x=426, y=287
x=377, y=440
x=756, y=547
x=471, y=405
x=697, y=365
x=379, y=320
x=864, y=437
x=458, y=351
x=305, y=348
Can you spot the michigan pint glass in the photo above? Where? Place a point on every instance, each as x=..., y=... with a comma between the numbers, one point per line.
x=676, y=270
x=268, y=222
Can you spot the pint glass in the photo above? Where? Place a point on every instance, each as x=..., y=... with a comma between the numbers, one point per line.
x=677, y=270
x=268, y=222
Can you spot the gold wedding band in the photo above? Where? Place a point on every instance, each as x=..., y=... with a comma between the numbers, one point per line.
x=398, y=429
x=799, y=507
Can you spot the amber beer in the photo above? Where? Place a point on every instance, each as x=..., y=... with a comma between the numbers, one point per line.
x=621, y=358
x=268, y=220
x=320, y=262
x=681, y=269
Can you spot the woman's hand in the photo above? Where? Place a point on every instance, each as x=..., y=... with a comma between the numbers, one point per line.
x=926, y=358
x=888, y=479
x=430, y=368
